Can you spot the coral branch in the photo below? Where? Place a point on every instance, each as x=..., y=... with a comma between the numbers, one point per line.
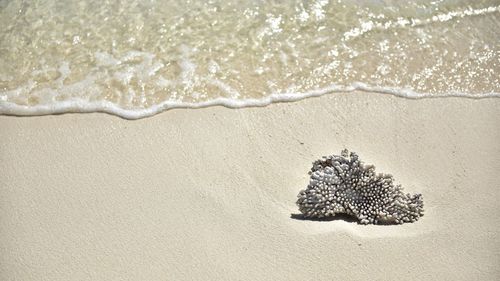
x=344, y=184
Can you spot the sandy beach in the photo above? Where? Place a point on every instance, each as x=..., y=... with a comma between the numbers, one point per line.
x=209, y=194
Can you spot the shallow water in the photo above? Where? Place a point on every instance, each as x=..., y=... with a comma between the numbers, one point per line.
x=138, y=58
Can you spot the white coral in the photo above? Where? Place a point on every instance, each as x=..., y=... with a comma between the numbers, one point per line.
x=344, y=185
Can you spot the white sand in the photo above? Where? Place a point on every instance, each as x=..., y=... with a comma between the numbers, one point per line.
x=207, y=194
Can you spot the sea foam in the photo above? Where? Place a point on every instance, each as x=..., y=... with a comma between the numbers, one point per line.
x=84, y=106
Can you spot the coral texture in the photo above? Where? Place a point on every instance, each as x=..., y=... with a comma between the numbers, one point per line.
x=345, y=185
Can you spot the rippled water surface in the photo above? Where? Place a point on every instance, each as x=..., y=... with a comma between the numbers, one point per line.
x=137, y=58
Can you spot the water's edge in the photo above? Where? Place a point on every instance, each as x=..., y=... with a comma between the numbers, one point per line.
x=81, y=106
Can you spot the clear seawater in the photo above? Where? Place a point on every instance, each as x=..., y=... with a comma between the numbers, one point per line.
x=138, y=58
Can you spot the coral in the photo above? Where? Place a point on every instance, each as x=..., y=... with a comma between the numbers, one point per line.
x=345, y=185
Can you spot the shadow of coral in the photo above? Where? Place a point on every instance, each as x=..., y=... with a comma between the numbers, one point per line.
x=338, y=217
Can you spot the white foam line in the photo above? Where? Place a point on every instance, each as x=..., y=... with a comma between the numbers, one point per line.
x=83, y=106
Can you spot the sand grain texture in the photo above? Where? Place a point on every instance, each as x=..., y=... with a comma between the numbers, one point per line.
x=208, y=194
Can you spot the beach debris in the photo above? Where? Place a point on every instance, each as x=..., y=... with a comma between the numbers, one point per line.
x=342, y=184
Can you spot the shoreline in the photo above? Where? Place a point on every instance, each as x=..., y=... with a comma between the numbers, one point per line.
x=208, y=194
x=76, y=106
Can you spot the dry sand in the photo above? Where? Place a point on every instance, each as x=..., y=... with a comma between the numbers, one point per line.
x=208, y=194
